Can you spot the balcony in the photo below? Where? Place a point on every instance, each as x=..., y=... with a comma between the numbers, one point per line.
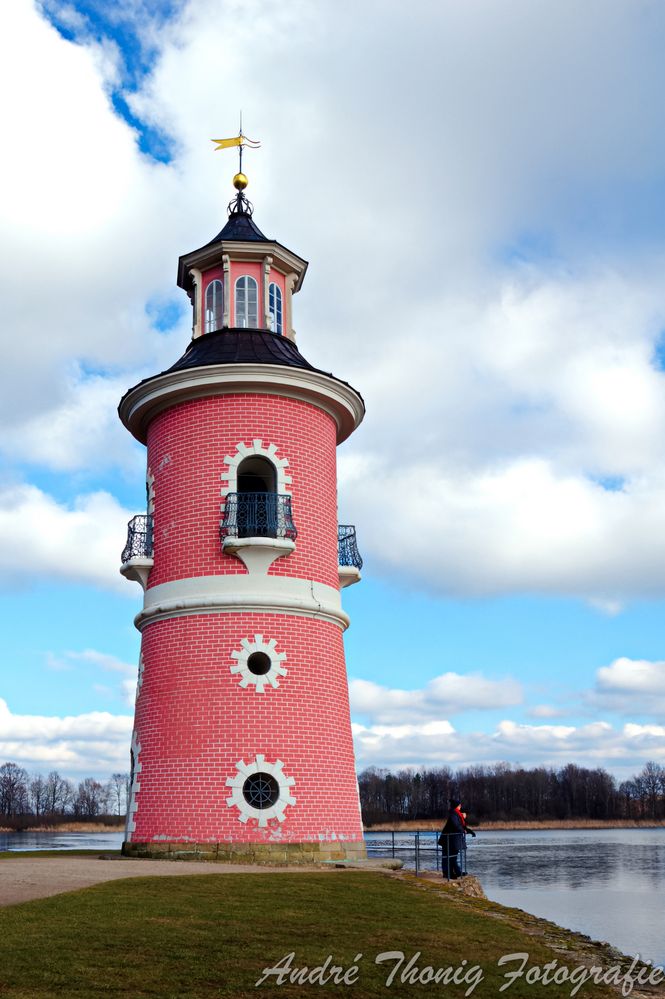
x=348, y=556
x=258, y=528
x=136, y=558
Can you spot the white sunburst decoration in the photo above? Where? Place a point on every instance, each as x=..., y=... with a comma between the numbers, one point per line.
x=260, y=790
x=256, y=449
x=258, y=663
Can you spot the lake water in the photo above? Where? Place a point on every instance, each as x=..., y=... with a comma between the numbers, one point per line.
x=61, y=841
x=607, y=883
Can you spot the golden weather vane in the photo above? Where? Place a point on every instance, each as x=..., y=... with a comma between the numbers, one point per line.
x=240, y=180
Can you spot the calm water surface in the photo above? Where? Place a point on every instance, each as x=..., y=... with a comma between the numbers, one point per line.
x=61, y=841
x=607, y=883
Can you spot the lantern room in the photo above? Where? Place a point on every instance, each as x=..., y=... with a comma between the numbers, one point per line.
x=241, y=279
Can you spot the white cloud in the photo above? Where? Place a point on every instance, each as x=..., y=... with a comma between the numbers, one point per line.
x=82, y=430
x=79, y=209
x=102, y=660
x=67, y=661
x=500, y=392
x=92, y=744
x=630, y=687
x=444, y=695
x=42, y=539
x=598, y=744
x=547, y=711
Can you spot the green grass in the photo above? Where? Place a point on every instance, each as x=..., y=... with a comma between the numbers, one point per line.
x=211, y=935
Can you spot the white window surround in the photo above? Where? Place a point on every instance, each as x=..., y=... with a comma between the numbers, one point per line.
x=247, y=811
x=257, y=447
x=132, y=805
x=246, y=302
x=150, y=490
x=269, y=649
x=139, y=678
x=275, y=310
x=214, y=306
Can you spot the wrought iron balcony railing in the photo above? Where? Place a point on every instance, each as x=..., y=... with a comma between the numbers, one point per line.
x=258, y=515
x=347, y=547
x=139, y=538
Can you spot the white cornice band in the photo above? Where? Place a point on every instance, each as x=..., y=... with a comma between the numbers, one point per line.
x=240, y=593
x=143, y=403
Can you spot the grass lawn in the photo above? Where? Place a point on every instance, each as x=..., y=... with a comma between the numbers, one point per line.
x=205, y=936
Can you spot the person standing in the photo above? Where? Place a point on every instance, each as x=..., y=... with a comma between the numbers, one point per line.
x=453, y=838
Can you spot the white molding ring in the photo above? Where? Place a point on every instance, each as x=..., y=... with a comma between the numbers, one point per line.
x=141, y=404
x=239, y=593
x=259, y=450
x=247, y=811
x=258, y=680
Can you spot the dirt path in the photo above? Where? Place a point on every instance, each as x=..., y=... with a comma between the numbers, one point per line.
x=25, y=878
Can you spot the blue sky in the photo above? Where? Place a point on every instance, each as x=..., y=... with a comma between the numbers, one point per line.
x=479, y=191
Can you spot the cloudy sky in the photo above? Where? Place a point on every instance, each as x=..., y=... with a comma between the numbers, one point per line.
x=480, y=191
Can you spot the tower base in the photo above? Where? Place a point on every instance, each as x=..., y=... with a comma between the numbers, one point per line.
x=290, y=854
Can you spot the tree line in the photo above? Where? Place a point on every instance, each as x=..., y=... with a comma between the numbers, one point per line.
x=502, y=792
x=41, y=799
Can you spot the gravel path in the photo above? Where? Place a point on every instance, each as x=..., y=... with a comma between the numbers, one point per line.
x=25, y=878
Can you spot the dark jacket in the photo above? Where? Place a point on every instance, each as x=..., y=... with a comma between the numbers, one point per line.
x=453, y=833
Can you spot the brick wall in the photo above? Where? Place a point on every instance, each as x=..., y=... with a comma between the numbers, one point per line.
x=186, y=449
x=195, y=722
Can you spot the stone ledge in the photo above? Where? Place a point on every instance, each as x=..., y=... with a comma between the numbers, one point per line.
x=249, y=853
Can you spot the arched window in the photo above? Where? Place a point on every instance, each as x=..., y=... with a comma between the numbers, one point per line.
x=214, y=306
x=257, y=498
x=247, y=302
x=275, y=307
x=257, y=475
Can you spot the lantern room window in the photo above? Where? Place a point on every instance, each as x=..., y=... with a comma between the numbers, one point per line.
x=214, y=308
x=275, y=307
x=247, y=302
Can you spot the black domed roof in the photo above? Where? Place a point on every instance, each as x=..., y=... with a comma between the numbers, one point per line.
x=240, y=226
x=241, y=346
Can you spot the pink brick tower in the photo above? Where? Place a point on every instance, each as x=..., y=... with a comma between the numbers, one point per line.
x=242, y=736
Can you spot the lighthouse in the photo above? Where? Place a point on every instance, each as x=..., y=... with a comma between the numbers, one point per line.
x=242, y=744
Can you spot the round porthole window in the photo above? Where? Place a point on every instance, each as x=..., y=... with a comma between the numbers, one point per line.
x=258, y=663
x=260, y=790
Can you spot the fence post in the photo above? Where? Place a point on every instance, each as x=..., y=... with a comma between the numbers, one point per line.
x=393, y=835
x=417, y=853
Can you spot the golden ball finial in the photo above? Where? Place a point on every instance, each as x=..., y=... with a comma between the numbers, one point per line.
x=240, y=182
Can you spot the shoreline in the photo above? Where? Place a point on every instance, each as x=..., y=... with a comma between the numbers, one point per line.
x=67, y=827
x=424, y=825
x=434, y=825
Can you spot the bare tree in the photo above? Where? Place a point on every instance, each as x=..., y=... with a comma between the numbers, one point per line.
x=38, y=795
x=91, y=799
x=117, y=792
x=13, y=789
x=59, y=794
x=650, y=777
